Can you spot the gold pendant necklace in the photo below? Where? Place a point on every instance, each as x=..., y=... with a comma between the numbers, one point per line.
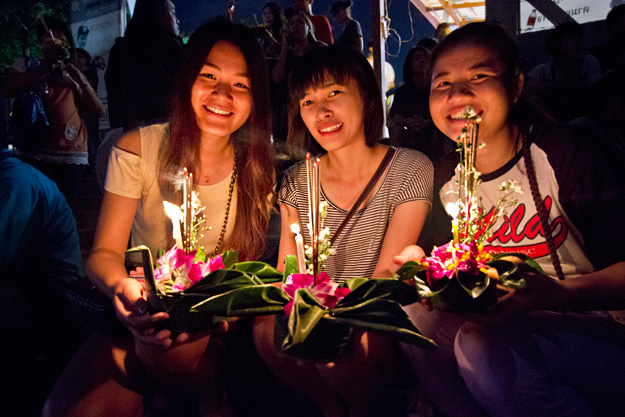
x=233, y=180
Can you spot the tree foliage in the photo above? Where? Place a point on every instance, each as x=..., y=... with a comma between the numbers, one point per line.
x=18, y=25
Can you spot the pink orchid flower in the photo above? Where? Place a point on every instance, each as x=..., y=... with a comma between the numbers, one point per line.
x=213, y=264
x=450, y=258
x=326, y=291
x=182, y=268
x=168, y=263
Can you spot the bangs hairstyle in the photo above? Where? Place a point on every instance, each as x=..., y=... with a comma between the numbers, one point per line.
x=279, y=21
x=492, y=36
x=336, y=64
x=497, y=40
x=252, y=141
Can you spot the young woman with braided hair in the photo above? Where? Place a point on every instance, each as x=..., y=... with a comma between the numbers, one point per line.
x=553, y=348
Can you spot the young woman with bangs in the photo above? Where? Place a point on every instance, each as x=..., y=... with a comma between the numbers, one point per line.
x=556, y=347
x=336, y=110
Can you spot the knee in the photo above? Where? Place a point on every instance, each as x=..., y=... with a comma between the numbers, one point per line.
x=375, y=360
x=483, y=360
x=54, y=407
x=180, y=362
x=472, y=345
x=263, y=333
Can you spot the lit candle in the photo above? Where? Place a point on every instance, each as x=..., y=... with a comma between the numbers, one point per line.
x=299, y=243
x=454, y=229
x=175, y=214
x=187, y=192
x=452, y=210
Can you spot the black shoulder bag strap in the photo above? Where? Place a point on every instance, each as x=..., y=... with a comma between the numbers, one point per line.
x=365, y=192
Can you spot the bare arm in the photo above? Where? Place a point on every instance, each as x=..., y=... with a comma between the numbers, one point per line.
x=599, y=290
x=403, y=230
x=16, y=81
x=85, y=94
x=105, y=266
x=278, y=75
x=358, y=43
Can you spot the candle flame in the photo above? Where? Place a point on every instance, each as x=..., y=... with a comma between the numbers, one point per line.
x=295, y=228
x=452, y=209
x=172, y=211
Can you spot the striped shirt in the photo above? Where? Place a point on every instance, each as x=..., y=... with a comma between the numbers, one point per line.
x=409, y=178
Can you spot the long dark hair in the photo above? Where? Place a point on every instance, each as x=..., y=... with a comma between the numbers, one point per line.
x=279, y=21
x=146, y=23
x=408, y=73
x=312, y=38
x=252, y=143
x=522, y=114
x=340, y=64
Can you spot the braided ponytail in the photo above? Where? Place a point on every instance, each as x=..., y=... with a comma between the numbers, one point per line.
x=540, y=207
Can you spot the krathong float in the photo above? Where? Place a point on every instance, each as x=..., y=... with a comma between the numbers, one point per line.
x=461, y=276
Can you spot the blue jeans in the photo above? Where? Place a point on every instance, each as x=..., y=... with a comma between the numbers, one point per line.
x=545, y=364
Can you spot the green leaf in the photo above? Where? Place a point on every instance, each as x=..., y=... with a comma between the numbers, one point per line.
x=509, y=273
x=200, y=255
x=290, y=267
x=474, y=285
x=424, y=290
x=385, y=317
x=229, y=258
x=529, y=261
x=382, y=288
x=222, y=280
x=247, y=301
x=265, y=272
x=409, y=270
x=305, y=315
x=354, y=283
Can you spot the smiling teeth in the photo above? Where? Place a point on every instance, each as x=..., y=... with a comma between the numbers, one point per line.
x=467, y=111
x=331, y=128
x=216, y=110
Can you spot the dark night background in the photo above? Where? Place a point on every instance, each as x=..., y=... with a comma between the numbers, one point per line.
x=403, y=16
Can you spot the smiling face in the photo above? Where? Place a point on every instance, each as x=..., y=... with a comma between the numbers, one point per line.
x=471, y=75
x=333, y=114
x=221, y=96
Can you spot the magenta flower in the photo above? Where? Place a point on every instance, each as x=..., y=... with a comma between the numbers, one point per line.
x=181, y=269
x=216, y=263
x=168, y=263
x=450, y=258
x=213, y=264
x=326, y=291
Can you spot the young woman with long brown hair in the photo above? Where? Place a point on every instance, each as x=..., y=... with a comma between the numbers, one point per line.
x=220, y=131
